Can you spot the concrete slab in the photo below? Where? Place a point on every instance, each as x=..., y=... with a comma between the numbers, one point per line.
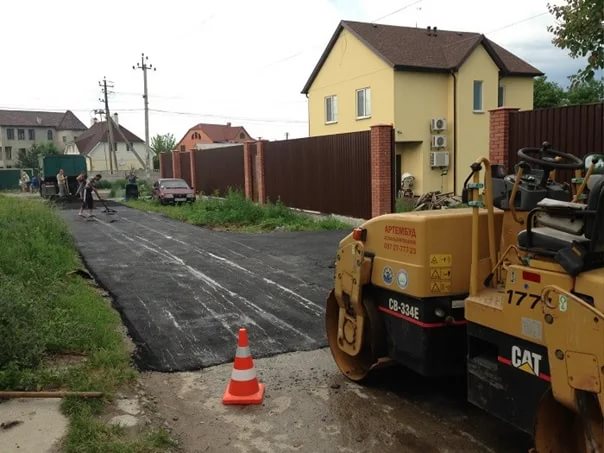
x=42, y=427
x=185, y=291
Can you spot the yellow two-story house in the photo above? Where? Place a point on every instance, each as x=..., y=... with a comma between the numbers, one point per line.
x=435, y=87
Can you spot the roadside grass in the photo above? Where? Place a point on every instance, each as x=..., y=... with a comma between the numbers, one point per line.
x=46, y=313
x=236, y=213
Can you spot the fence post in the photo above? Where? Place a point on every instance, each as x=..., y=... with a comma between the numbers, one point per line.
x=193, y=164
x=499, y=135
x=176, y=172
x=248, y=178
x=259, y=167
x=381, y=169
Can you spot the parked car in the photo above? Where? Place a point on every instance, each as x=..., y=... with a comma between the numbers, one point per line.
x=172, y=191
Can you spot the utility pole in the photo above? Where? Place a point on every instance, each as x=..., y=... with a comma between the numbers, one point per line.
x=144, y=65
x=112, y=153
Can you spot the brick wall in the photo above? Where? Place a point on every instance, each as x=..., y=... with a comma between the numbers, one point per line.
x=381, y=169
x=499, y=135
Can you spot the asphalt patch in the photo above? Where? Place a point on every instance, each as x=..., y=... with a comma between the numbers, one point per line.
x=184, y=291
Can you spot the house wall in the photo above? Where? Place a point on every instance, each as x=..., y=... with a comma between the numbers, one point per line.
x=351, y=66
x=473, y=127
x=419, y=97
x=518, y=92
x=98, y=157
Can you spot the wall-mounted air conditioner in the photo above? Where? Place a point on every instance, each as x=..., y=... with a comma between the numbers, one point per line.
x=438, y=124
x=439, y=141
x=439, y=159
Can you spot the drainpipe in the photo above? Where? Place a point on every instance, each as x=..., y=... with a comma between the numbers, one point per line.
x=454, y=131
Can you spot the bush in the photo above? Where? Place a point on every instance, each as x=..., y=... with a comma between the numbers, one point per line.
x=104, y=184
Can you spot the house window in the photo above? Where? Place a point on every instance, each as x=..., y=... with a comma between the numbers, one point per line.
x=31, y=134
x=196, y=136
x=8, y=152
x=64, y=138
x=49, y=134
x=364, y=103
x=10, y=134
x=21, y=134
x=331, y=109
x=477, y=104
x=182, y=147
x=242, y=135
x=21, y=153
x=500, y=96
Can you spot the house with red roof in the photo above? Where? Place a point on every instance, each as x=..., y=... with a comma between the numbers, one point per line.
x=204, y=135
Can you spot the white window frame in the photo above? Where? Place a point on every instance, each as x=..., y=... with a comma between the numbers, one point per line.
x=480, y=108
x=366, y=103
x=334, y=109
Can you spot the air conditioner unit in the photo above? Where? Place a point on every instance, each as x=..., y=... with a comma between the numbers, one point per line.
x=439, y=159
x=438, y=124
x=439, y=141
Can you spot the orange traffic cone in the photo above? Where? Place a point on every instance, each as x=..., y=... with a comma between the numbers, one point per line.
x=243, y=388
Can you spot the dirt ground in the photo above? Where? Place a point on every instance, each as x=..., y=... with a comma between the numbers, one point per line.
x=310, y=407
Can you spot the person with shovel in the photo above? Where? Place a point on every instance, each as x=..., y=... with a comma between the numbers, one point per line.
x=87, y=202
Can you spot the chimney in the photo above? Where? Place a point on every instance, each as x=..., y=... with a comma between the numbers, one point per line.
x=434, y=29
x=116, y=119
x=229, y=124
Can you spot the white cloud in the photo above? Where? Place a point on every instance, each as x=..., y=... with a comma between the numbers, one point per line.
x=232, y=60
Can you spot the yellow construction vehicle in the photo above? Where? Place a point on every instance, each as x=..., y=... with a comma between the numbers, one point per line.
x=524, y=320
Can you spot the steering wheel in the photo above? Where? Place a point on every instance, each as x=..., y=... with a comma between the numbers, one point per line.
x=550, y=158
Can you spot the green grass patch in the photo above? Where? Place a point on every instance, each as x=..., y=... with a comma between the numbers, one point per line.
x=48, y=313
x=236, y=213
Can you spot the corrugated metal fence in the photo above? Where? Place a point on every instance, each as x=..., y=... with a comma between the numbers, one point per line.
x=329, y=174
x=165, y=165
x=574, y=129
x=218, y=169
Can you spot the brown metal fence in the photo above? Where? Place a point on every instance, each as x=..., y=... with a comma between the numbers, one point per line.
x=330, y=174
x=574, y=129
x=165, y=165
x=185, y=167
x=218, y=169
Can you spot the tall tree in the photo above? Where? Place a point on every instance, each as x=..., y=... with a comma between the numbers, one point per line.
x=579, y=29
x=547, y=94
x=586, y=92
x=163, y=143
x=30, y=158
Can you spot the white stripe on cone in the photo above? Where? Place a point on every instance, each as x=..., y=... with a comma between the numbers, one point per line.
x=243, y=375
x=243, y=352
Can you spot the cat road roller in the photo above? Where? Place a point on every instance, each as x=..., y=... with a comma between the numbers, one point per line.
x=437, y=292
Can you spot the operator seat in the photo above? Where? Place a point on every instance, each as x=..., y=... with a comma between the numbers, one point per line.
x=571, y=233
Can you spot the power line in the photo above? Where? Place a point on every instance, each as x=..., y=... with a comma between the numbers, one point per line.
x=396, y=11
x=517, y=22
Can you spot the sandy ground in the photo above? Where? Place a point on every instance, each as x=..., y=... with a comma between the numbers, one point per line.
x=310, y=407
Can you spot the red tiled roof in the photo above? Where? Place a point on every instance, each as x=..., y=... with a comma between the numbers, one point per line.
x=98, y=133
x=417, y=49
x=26, y=118
x=221, y=133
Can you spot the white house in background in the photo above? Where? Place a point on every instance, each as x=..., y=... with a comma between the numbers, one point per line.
x=94, y=145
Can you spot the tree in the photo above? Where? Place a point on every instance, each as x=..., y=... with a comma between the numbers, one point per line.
x=586, y=92
x=162, y=143
x=547, y=94
x=30, y=158
x=579, y=29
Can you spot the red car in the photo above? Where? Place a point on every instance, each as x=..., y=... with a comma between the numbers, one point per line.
x=172, y=191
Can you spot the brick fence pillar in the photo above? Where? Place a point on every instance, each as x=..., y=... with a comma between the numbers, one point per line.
x=176, y=173
x=381, y=169
x=259, y=167
x=248, y=178
x=193, y=163
x=499, y=135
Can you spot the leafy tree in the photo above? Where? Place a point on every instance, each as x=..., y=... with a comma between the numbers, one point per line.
x=30, y=158
x=579, y=29
x=547, y=94
x=586, y=92
x=162, y=143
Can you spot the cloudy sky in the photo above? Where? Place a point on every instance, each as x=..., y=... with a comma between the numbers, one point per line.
x=242, y=61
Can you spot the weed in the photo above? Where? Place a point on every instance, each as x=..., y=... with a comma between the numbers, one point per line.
x=235, y=212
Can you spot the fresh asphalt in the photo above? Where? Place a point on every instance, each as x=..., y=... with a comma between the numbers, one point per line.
x=184, y=291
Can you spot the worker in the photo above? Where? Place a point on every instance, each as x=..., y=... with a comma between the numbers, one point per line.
x=24, y=181
x=81, y=179
x=62, y=183
x=87, y=202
